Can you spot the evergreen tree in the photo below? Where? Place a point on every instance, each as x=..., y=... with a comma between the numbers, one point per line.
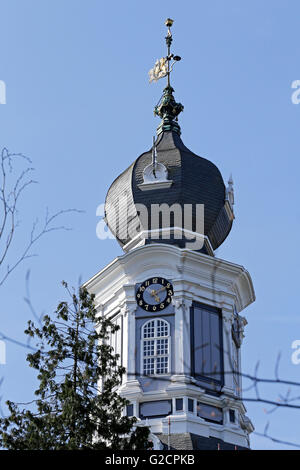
x=77, y=406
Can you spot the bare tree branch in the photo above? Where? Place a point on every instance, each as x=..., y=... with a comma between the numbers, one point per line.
x=279, y=441
x=13, y=181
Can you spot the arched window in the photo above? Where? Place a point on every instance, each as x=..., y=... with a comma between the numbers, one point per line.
x=156, y=347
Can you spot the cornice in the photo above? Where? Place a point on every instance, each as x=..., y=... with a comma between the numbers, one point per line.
x=191, y=268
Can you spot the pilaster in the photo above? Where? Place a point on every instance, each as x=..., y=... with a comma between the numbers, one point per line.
x=227, y=319
x=182, y=343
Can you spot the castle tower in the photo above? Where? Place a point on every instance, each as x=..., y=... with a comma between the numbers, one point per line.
x=177, y=305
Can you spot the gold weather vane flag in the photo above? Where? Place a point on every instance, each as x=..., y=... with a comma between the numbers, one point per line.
x=162, y=67
x=159, y=70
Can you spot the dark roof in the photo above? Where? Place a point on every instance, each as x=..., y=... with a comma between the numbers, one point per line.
x=188, y=441
x=195, y=181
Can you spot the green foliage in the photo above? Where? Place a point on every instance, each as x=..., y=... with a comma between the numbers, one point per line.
x=77, y=406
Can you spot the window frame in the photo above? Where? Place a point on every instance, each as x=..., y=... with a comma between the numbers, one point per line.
x=131, y=408
x=204, y=406
x=232, y=416
x=143, y=417
x=155, y=338
x=191, y=402
x=217, y=311
x=177, y=402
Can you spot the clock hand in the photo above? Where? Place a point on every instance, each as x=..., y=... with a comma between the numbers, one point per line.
x=160, y=290
x=154, y=294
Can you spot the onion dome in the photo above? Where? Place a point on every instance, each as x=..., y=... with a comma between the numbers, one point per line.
x=185, y=201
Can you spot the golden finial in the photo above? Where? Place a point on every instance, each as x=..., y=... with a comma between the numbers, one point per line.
x=169, y=22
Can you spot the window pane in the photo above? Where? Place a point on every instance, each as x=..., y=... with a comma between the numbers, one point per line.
x=149, y=330
x=155, y=408
x=149, y=348
x=162, y=365
x=191, y=405
x=179, y=404
x=198, y=353
x=232, y=416
x=149, y=366
x=129, y=410
x=155, y=347
x=210, y=413
x=206, y=339
x=215, y=346
x=162, y=328
x=162, y=347
x=205, y=342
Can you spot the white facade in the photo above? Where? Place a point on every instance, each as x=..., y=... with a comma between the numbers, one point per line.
x=196, y=279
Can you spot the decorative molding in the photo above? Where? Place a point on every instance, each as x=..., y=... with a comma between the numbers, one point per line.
x=227, y=318
x=178, y=233
x=181, y=302
x=131, y=390
x=99, y=308
x=232, y=283
x=179, y=378
x=229, y=198
x=242, y=323
x=128, y=307
x=246, y=424
x=190, y=423
x=184, y=385
x=180, y=268
x=229, y=392
x=155, y=177
x=155, y=185
x=229, y=211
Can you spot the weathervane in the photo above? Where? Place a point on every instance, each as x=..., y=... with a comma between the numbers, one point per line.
x=162, y=67
x=167, y=108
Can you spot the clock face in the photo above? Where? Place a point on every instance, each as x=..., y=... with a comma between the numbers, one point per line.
x=155, y=294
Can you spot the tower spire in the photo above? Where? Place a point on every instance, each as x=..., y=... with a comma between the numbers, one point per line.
x=167, y=108
x=169, y=39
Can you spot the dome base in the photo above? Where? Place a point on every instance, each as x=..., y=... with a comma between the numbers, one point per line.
x=172, y=236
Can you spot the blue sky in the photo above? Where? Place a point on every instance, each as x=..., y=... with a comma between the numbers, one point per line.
x=80, y=106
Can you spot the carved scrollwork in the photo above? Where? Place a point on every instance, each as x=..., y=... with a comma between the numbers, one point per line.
x=127, y=308
x=181, y=303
